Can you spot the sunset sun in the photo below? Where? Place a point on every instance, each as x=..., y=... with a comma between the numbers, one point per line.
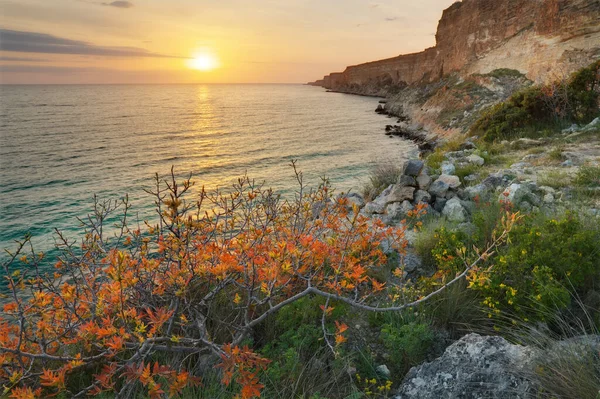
x=204, y=62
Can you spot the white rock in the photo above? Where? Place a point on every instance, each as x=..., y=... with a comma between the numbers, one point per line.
x=448, y=168
x=476, y=160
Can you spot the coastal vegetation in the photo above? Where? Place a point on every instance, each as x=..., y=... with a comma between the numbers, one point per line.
x=541, y=110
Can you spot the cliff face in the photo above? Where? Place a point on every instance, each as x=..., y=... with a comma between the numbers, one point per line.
x=539, y=38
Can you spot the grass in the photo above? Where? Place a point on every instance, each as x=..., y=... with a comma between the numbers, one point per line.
x=556, y=153
x=555, y=179
x=380, y=177
x=435, y=159
x=567, y=364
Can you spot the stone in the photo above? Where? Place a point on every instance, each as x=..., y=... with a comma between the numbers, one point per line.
x=475, y=160
x=571, y=129
x=448, y=168
x=373, y=208
x=439, y=204
x=454, y=211
x=413, y=167
x=396, y=211
x=354, y=199
x=450, y=194
x=422, y=196
x=468, y=145
x=411, y=262
x=406, y=180
x=380, y=109
x=400, y=193
x=567, y=164
x=383, y=371
x=524, y=143
x=548, y=198
x=439, y=188
x=452, y=181
x=519, y=195
x=474, y=367
x=455, y=154
x=494, y=180
x=595, y=124
x=480, y=191
x=423, y=181
x=470, y=178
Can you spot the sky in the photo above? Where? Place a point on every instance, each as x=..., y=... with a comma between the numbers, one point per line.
x=231, y=41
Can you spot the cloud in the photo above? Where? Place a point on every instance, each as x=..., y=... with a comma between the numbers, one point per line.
x=33, y=42
x=390, y=19
x=45, y=69
x=21, y=59
x=119, y=4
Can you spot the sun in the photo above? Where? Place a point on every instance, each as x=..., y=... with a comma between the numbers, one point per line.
x=204, y=62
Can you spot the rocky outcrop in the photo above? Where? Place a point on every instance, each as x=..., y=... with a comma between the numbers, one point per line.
x=473, y=367
x=536, y=37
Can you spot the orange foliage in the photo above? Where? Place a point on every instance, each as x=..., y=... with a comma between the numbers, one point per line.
x=120, y=297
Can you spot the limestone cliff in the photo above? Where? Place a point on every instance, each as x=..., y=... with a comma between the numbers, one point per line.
x=539, y=38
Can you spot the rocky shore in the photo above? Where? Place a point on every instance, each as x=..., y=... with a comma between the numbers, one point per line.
x=534, y=175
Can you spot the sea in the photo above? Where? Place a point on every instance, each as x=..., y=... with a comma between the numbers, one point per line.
x=61, y=145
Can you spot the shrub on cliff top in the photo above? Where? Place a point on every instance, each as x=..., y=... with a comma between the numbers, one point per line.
x=572, y=100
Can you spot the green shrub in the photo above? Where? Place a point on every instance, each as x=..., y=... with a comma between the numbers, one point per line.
x=543, y=109
x=407, y=345
x=546, y=258
x=380, y=177
x=584, y=91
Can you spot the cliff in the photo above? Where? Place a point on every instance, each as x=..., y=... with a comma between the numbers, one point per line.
x=539, y=38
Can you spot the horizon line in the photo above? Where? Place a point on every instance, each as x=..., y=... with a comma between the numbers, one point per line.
x=148, y=83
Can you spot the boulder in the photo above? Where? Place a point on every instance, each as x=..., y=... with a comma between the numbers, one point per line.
x=494, y=180
x=406, y=180
x=475, y=160
x=396, y=211
x=572, y=129
x=354, y=199
x=595, y=124
x=439, y=188
x=519, y=195
x=454, y=211
x=448, y=168
x=439, y=204
x=548, y=198
x=480, y=191
x=423, y=181
x=400, y=193
x=374, y=208
x=422, y=196
x=413, y=167
x=473, y=367
x=452, y=181
x=380, y=109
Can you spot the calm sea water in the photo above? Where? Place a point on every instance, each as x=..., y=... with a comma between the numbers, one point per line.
x=59, y=145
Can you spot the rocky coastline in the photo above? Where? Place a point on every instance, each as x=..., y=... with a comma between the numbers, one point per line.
x=481, y=366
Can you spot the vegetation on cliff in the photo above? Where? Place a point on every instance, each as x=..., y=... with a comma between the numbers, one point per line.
x=532, y=111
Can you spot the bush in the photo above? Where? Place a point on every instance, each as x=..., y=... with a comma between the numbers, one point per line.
x=543, y=107
x=133, y=311
x=380, y=177
x=547, y=258
x=407, y=345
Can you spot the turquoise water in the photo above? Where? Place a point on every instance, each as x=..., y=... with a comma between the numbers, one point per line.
x=60, y=145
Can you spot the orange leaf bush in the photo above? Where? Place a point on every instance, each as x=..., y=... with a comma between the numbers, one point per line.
x=197, y=281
